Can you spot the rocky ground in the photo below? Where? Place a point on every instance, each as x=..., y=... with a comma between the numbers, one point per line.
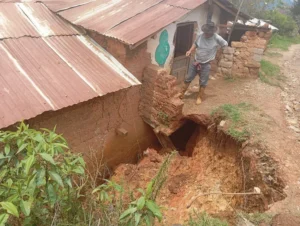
x=291, y=93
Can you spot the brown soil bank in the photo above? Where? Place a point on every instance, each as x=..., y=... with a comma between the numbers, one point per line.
x=212, y=163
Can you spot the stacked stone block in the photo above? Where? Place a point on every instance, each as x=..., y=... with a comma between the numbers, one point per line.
x=243, y=58
x=226, y=62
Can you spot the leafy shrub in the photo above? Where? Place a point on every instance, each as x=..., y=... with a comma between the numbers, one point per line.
x=36, y=174
x=285, y=24
x=144, y=210
x=43, y=183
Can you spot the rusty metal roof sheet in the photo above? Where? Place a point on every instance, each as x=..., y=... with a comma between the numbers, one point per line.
x=103, y=15
x=42, y=74
x=129, y=21
x=46, y=22
x=31, y=19
x=18, y=98
x=142, y=26
x=186, y=4
x=13, y=22
x=58, y=5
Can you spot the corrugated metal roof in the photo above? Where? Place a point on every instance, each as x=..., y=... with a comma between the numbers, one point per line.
x=145, y=24
x=103, y=15
x=55, y=69
x=46, y=22
x=58, y=5
x=13, y=22
x=186, y=4
x=42, y=74
x=31, y=19
x=129, y=21
x=18, y=98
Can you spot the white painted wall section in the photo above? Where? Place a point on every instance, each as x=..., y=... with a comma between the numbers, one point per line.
x=197, y=15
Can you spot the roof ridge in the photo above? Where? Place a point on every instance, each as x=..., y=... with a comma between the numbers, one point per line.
x=36, y=37
x=134, y=16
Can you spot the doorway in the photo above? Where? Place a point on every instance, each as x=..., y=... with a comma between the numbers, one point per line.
x=183, y=42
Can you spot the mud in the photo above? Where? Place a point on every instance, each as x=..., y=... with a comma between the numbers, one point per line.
x=212, y=162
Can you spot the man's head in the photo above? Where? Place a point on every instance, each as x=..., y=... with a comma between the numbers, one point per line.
x=209, y=29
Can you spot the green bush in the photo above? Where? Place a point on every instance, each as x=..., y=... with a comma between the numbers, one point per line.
x=36, y=176
x=286, y=24
x=43, y=183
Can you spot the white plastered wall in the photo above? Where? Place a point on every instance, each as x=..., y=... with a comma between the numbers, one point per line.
x=197, y=15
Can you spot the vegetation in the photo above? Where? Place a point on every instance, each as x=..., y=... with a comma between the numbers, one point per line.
x=257, y=218
x=256, y=8
x=203, y=219
x=270, y=74
x=285, y=23
x=234, y=114
x=164, y=118
x=36, y=176
x=281, y=13
x=283, y=42
x=43, y=183
x=295, y=10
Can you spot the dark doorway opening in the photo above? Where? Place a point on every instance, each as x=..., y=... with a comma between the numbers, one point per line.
x=184, y=39
x=236, y=36
x=183, y=42
x=181, y=137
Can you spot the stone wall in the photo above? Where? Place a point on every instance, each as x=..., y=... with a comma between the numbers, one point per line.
x=160, y=105
x=243, y=58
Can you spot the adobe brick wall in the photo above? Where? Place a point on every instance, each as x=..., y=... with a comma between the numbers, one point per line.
x=92, y=126
x=134, y=60
x=160, y=105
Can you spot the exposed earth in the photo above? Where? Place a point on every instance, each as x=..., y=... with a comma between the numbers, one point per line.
x=212, y=162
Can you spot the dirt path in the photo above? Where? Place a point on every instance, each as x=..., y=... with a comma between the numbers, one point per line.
x=289, y=157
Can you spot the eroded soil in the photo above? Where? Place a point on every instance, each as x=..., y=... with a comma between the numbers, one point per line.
x=213, y=162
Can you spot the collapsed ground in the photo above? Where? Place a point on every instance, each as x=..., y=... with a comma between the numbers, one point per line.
x=250, y=141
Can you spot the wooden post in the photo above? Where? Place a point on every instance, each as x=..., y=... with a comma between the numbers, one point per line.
x=210, y=11
x=236, y=19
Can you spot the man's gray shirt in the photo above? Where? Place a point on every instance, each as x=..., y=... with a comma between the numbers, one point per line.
x=207, y=47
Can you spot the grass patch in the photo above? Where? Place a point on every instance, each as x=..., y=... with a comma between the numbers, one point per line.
x=235, y=114
x=283, y=42
x=257, y=218
x=203, y=219
x=270, y=74
x=273, y=54
x=229, y=79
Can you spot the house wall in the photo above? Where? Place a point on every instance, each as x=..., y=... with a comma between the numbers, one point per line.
x=198, y=16
x=134, y=60
x=92, y=125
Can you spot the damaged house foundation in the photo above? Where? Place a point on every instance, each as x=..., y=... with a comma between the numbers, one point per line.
x=106, y=74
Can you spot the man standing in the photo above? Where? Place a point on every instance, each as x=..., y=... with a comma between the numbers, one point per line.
x=206, y=46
